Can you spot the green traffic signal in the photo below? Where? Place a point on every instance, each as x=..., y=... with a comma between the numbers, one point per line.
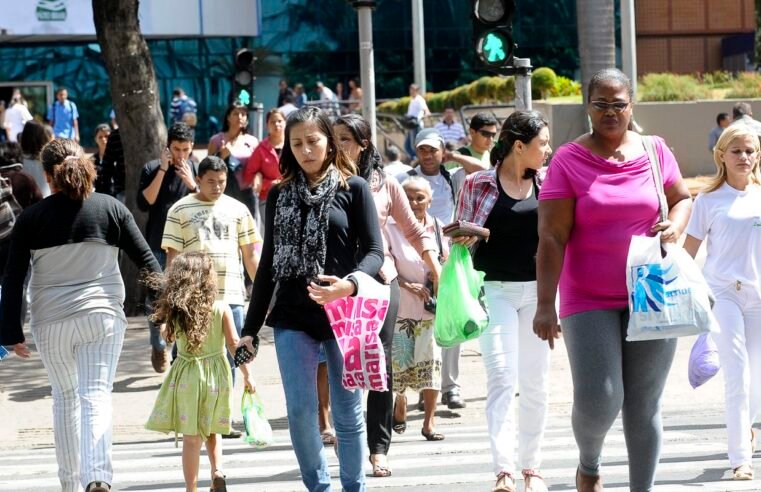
x=494, y=48
x=244, y=97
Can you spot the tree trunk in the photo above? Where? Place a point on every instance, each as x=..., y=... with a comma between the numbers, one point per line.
x=595, y=20
x=135, y=98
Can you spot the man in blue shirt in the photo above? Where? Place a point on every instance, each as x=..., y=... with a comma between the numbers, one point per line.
x=180, y=105
x=63, y=116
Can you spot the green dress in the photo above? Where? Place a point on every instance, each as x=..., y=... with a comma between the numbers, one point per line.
x=195, y=396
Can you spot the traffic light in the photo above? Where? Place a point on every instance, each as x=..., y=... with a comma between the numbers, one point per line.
x=243, y=81
x=493, y=33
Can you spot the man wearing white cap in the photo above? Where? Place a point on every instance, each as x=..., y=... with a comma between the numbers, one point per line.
x=429, y=147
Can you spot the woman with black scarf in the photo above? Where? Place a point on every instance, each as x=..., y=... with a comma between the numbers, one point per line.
x=320, y=228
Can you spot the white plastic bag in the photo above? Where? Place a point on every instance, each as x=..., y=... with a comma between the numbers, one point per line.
x=704, y=360
x=356, y=322
x=668, y=297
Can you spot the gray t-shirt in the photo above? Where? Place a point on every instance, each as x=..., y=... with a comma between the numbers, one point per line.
x=73, y=280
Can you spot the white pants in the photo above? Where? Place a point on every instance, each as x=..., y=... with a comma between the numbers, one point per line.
x=512, y=354
x=80, y=356
x=739, y=342
x=450, y=369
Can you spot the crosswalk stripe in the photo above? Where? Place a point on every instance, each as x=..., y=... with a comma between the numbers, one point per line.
x=462, y=458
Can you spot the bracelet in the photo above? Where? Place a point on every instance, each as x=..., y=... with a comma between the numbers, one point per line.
x=162, y=170
x=354, y=283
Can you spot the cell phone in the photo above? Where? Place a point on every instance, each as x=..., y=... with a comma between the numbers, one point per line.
x=3, y=352
x=242, y=356
x=321, y=283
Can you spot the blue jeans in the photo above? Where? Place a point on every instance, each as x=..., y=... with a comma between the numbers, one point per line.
x=238, y=318
x=156, y=341
x=297, y=355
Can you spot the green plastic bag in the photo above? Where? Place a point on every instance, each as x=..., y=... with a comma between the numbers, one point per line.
x=258, y=431
x=461, y=312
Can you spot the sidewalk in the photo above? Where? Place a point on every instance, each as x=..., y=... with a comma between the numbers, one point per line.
x=26, y=404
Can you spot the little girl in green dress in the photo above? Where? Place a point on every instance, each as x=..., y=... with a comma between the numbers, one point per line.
x=194, y=399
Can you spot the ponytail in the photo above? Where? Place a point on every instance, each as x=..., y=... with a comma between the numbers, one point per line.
x=70, y=171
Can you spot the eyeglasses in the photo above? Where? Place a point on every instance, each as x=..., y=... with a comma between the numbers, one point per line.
x=618, y=107
x=487, y=134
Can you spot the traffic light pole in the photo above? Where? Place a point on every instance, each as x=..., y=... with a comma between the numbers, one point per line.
x=418, y=44
x=522, y=68
x=256, y=117
x=366, y=62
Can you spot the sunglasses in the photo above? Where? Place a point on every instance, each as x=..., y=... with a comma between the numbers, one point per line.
x=618, y=107
x=487, y=134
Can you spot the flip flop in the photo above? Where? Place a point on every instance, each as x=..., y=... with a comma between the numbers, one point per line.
x=432, y=436
x=328, y=438
x=399, y=426
x=380, y=471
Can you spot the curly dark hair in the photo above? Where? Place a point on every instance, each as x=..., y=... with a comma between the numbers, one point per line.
x=187, y=289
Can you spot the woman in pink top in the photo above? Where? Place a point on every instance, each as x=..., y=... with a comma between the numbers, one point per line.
x=235, y=146
x=263, y=168
x=353, y=134
x=416, y=357
x=598, y=193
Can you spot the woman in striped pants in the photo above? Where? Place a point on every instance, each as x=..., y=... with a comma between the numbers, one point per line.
x=72, y=239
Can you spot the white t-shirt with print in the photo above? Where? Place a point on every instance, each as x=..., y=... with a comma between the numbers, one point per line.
x=730, y=219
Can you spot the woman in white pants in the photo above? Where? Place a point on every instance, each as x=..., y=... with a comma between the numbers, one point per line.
x=505, y=201
x=728, y=216
x=72, y=239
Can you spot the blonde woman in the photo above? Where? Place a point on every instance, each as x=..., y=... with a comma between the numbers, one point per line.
x=728, y=215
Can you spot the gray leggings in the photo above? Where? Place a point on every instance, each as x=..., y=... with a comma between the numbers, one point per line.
x=610, y=374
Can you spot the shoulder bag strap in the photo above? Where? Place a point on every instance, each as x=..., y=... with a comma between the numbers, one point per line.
x=438, y=239
x=655, y=168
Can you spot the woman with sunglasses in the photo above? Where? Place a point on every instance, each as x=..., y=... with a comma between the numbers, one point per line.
x=599, y=192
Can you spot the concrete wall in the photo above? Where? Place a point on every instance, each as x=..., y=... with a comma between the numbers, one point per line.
x=684, y=126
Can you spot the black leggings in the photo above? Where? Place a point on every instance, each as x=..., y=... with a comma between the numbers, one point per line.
x=380, y=404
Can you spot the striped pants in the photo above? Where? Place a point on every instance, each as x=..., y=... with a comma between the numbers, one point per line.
x=80, y=356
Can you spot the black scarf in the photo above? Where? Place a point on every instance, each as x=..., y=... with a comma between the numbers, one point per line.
x=300, y=248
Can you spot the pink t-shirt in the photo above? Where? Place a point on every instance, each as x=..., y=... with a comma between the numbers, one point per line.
x=614, y=201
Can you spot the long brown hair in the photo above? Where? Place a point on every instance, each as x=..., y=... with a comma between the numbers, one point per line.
x=71, y=172
x=289, y=166
x=188, y=290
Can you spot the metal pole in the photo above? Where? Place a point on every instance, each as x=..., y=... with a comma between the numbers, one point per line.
x=256, y=117
x=522, y=83
x=629, y=42
x=418, y=44
x=367, y=65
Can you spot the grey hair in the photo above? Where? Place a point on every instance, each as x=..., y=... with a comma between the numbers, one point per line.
x=418, y=181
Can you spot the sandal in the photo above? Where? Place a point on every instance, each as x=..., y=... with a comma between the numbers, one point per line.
x=743, y=472
x=432, y=436
x=328, y=438
x=218, y=484
x=379, y=471
x=98, y=486
x=533, y=481
x=505, y=483
x=752, y=440
x=400, y=426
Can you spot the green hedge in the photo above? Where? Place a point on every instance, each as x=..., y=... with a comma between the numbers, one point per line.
x=484, y=91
